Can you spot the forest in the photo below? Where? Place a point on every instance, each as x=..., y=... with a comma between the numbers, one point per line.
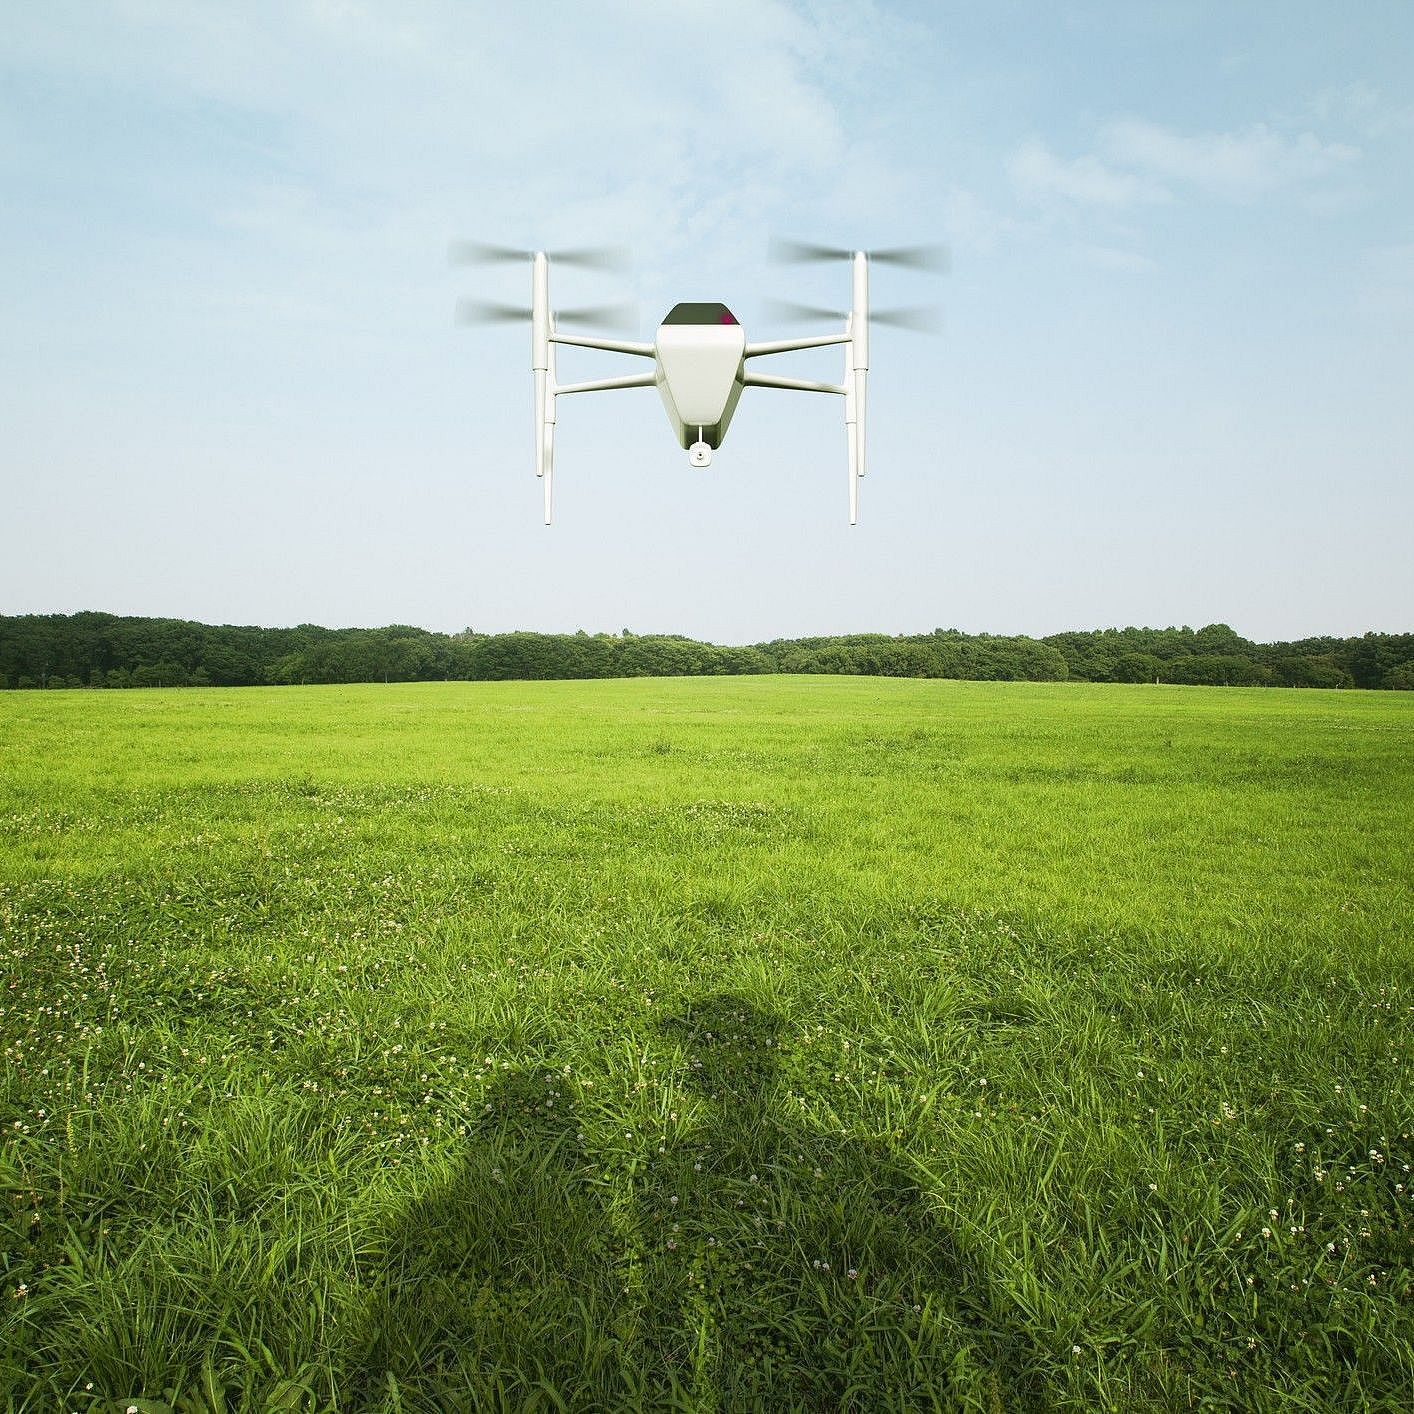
x=98, y=650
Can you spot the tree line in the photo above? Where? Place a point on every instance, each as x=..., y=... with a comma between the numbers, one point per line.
x=95, y=650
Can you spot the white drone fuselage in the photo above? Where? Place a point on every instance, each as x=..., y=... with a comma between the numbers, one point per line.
x=700, y=373
x=701, y=360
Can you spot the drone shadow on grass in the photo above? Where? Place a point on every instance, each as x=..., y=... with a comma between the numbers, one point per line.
x=758, y=1263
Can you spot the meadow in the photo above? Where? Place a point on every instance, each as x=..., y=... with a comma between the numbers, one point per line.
x=707, y=1044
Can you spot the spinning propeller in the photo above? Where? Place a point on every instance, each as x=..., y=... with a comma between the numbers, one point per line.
x=612, y=317
x=920, y=318
x=623, y=317
x=913, y=257
x=606, y=257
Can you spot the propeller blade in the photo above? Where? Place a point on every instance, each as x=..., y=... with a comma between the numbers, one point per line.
x=922, y=319
x=589, y=257
x=919, y=318
x=607, y=257
x=601, y=316
x=794, y=252
x=479, y=253
x=476, y=311
x=789, y=309
x=914, y=257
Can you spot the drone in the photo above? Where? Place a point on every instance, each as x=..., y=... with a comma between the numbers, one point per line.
x=701, y=358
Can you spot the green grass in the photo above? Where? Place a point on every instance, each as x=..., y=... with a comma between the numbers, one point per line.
x=707, y=1044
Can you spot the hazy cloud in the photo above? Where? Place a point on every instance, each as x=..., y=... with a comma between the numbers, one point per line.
x=1140, y=162
x=1364, y=108
x=1237, y=165
x=1039, y=174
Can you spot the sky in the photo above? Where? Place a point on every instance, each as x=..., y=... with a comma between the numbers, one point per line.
x=1174, y=383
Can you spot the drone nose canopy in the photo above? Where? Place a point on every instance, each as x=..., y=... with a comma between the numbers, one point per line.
x=700, y=314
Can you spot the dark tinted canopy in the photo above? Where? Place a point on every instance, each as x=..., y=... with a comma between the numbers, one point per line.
x=700, y=314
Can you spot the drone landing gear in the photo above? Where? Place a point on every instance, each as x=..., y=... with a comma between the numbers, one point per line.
x=699, y=454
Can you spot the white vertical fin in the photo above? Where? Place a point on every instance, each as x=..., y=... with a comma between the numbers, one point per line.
x=547, y=438
x=859, y=349
x=547, y=462
x=851, y=432
x=540, y=351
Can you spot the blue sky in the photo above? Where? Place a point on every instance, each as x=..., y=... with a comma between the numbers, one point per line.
x=1174, y=384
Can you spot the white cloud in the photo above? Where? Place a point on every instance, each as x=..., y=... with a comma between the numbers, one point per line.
x=1039, y=175
x=527, y=117
x=1364, y=109
x=1140, y=162
x=1238, y=165
x=972, y=224
x=688, y=132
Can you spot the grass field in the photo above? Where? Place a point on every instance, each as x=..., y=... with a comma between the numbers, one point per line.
x=708, y=1044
